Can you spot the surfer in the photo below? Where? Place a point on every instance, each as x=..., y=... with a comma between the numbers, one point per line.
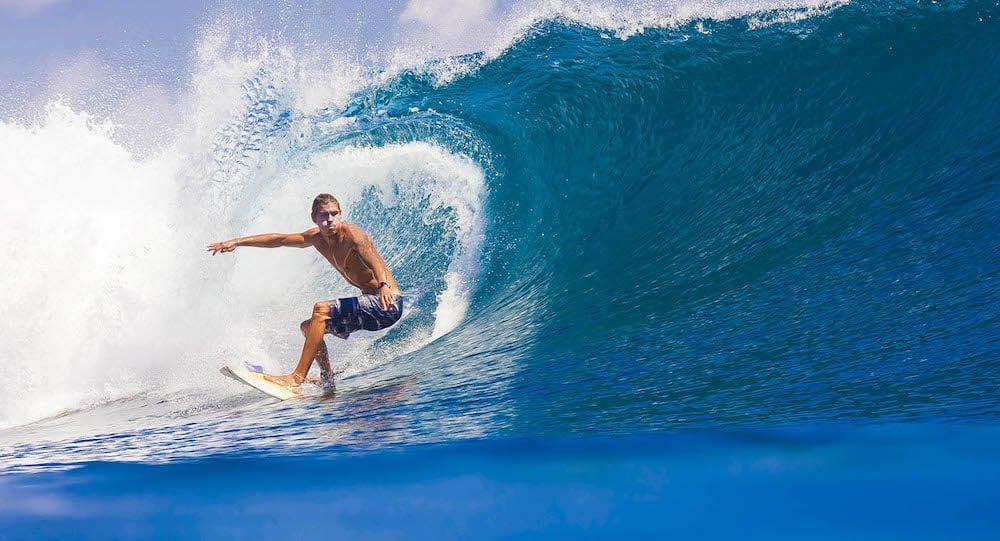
x=350, y=250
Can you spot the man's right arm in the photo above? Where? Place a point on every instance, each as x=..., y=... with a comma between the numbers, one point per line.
x=266, y=240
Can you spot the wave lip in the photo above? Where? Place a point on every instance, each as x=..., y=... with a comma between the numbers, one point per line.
x=443, y=45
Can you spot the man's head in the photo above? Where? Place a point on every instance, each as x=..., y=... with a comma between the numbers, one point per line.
x=326, y=213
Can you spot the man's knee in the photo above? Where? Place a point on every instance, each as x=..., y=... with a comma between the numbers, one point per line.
x=305, y=326
x=321, y=310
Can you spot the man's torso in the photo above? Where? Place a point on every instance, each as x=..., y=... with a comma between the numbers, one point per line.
x=342, y=253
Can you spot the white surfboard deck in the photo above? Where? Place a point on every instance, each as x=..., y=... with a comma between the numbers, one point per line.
x=257, y=381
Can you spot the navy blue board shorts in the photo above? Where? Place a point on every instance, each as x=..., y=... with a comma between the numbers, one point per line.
x=361, y=313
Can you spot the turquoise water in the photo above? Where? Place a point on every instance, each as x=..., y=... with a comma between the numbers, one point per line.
x=734, y=277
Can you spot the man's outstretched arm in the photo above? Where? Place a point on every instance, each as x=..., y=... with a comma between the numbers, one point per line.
x=265, y=240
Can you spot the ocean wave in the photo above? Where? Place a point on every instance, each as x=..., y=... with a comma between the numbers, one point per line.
x=611, y=219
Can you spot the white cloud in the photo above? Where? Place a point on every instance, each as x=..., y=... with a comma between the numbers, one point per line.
x=446, y=14
x=448, y=26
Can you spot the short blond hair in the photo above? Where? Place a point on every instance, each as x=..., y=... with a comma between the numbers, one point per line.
x=322, y=199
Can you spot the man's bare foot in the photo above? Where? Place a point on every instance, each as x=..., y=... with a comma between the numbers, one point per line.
x=291, y=380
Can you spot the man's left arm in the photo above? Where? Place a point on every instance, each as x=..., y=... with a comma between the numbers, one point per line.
x=371, y=257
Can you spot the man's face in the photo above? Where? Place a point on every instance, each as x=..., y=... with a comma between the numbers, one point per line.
x=328, y=217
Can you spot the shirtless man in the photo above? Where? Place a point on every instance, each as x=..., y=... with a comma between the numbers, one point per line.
x=350, y=250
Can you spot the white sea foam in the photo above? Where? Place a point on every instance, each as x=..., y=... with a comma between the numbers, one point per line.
x=109, y=291
x=91, y=252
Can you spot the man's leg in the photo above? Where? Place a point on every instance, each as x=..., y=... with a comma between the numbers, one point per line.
x=322, y=354
x=314, y=339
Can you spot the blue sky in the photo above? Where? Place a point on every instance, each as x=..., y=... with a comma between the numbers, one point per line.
x=40, y=40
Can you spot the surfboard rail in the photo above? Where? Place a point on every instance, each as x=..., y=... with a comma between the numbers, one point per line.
x=259, y=382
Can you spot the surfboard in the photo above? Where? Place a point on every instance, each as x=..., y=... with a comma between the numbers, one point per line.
x=257, y=381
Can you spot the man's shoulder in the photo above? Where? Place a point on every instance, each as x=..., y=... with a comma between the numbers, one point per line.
x=310, y=234
x=356, y=233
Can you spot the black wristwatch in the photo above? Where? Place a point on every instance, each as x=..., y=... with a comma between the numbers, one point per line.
x=383, y=284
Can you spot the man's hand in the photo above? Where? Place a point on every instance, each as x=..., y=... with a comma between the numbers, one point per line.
x=225, y=246
x=386, y=298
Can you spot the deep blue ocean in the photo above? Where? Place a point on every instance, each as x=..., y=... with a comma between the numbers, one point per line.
x=733, y=277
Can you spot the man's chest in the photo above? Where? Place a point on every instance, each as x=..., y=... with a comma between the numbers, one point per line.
x=340, y=255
